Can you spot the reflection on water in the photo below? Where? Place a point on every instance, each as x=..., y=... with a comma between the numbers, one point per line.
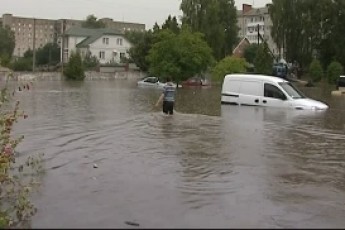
x=208, y=166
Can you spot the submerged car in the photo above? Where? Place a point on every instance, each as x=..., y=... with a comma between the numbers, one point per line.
x=152, y=82
x=341, y=83
x=196, y=81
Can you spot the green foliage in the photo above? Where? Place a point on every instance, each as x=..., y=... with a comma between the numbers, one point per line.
x=48, y=54
x=91, y=22
x=334, y=70
x=263, y=61
x=7, y=44
x=90, y=62
x=22, y=64
x=141, y=45
x=74, y=69
x=217, y=19
x=179, y=56
x=228, y=65
x=315, y=30
x=16, y=180
x=315, y=70
x=250, y=52
x=171, y=24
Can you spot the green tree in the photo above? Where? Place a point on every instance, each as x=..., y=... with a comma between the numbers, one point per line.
x=91, y=22
x=228, y=65
x=74, y=69
x=48, y=54
x=7, y=44
x=250, y=52
x=315, y=71
x=179, y=56
x=141, y=45
x=334, y=70
x=263, y=61
x=172, y=24
x=217, y=19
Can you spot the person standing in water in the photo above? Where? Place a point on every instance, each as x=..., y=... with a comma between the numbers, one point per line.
x=168, y=97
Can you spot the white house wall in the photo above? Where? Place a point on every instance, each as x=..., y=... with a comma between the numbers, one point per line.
x=72, y=43
x=109, y=49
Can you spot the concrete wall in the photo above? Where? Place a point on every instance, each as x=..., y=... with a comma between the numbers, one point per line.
x=56, y=76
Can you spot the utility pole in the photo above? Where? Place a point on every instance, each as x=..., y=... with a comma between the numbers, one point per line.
x=34, y=47
x=62, y=46
x=258, y=28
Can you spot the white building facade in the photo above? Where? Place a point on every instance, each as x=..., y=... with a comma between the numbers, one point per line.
x=255, y=21
x=107, y=45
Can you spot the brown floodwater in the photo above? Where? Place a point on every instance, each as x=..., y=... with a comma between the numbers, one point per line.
x=208, y=166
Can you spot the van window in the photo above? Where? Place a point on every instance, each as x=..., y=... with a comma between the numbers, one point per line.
x=273, y=91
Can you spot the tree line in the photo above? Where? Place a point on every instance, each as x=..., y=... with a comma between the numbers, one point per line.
x=308, y=30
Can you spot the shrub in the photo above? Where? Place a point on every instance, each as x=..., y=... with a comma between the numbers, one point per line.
x=74, y=69
x=315, y=71
x=228, y=65
x=16, y=180
x=334, y=70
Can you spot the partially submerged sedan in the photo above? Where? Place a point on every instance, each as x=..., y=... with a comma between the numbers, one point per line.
x=152, y=82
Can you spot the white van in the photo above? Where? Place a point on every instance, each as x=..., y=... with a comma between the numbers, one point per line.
x=261, y=90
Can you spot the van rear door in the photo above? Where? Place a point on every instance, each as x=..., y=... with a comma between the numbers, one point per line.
x=251, y=93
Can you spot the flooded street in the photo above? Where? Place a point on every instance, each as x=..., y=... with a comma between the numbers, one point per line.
x=208, y=166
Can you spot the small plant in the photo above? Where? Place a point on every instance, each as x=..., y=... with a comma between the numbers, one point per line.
x=315, y=71
x=334, y=70
x=16, y=180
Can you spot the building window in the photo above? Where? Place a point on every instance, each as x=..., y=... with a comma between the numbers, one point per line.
x=122, y=55
x=106, y=41
x=119, y=41
x=101, y=55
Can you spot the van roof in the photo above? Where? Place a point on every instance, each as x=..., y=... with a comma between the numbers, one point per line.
x=255, y=77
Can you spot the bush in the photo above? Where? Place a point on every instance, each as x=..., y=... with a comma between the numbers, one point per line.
x=74, y=69
x=315, y=71
x=228, y=65
x=334, y=70
x=16, y=180
x=22, y=64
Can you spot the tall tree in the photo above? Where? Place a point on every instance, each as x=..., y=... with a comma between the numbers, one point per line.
x=180, y=56
x=217, y=19
x=172, y=24
x=7, y=44
x=91, y=22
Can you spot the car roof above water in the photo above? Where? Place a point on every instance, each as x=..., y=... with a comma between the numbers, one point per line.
x=254, y=77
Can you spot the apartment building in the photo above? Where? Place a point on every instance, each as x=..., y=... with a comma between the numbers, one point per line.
x=33, y=33
x=252, y=21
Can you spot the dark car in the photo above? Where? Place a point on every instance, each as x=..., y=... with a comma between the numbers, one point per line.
x=195, y=81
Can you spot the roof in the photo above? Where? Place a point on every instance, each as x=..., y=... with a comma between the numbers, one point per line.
x=255, y=76
x=90, y=34
x=254, y=11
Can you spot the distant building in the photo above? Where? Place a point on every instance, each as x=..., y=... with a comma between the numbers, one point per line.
x=107, y=44
x=32, y=33
x=251, y=20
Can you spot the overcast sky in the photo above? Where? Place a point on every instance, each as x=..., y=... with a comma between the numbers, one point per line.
x=138, y=11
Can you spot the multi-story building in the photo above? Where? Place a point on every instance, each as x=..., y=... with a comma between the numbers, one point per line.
x=32, y=33
x=255, y=21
